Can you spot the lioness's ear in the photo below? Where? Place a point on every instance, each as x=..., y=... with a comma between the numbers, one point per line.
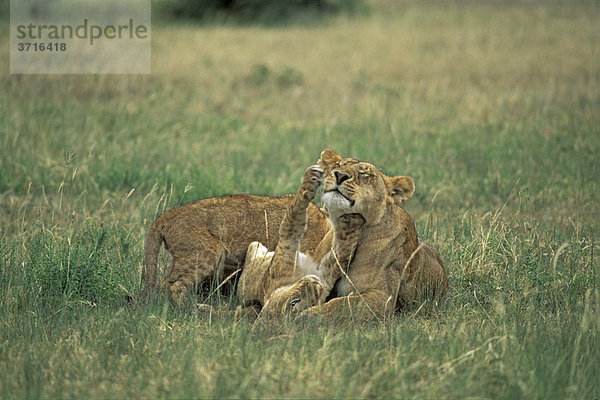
x=328, y=159
x=400, y=188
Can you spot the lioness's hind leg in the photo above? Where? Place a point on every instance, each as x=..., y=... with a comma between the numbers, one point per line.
x=429, y=280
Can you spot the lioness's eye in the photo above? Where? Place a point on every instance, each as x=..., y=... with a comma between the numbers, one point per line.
x=294, y=302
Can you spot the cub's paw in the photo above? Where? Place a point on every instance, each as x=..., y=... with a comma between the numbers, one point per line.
x=256, y=250
x=351, y=222
x=312, y=180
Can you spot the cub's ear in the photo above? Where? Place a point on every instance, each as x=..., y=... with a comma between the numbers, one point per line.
x=328, y=160
x=400, y=188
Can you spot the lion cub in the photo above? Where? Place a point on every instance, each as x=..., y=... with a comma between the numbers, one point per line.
x=286, y=281
x=209, y=238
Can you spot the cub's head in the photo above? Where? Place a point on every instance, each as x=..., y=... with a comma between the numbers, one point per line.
x=352, y=186
x=291, y=300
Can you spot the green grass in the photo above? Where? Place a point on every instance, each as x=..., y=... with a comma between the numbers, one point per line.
x=492, y=108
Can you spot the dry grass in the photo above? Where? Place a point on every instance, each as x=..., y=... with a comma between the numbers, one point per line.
x=492, y=107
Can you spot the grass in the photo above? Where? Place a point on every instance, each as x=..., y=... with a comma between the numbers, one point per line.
x=492, y=108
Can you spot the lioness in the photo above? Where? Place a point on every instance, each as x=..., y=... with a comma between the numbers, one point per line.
x=209, y=238
x=389, y=268
x=286, y=281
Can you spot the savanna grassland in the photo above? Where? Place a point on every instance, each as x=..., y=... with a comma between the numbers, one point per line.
x=491, y=107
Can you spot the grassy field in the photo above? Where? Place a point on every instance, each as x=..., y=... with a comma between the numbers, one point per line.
x=492, y=108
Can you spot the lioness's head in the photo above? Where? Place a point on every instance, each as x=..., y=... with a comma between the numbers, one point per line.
x=353, y=186
x=291, y=300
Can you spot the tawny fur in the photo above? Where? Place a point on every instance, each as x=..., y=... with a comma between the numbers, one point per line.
x=209, y=238
x=390, y=267
x=286, y=281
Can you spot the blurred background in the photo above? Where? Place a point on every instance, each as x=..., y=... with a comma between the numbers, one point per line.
x=492, y=106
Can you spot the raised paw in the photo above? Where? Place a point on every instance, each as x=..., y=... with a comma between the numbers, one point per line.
x=312, y=180
x=351, y=222
x=313, y=175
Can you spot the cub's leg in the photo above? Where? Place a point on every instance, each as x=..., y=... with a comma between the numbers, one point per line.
x=291, y=230
x=282, y=286
x=193, y=265
x=250, y=288
x=338, y=259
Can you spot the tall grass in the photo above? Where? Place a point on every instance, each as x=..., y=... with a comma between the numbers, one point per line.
x=492, y=108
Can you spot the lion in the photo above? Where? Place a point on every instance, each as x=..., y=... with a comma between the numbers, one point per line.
x=390, y=269
x=209, y=238
x=286, y=281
